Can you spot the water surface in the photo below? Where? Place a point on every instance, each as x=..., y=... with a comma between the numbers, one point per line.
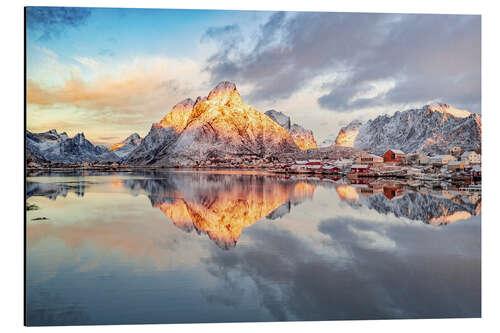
x=175, y=247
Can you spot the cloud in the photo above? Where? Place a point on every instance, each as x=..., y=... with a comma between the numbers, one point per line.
x=50, y=22
x=88, y=62
x=364, y=270
x=224, y=32
x=426, y=57
x=116, y=98
x=144, y=86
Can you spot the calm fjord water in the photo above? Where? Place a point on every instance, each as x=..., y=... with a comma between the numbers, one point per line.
x=170, y=247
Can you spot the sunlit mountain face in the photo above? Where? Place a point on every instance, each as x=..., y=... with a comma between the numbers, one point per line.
x=218, y=124
x=347, y=135
x=177, y=118
x=222, y=212
x=303, y=139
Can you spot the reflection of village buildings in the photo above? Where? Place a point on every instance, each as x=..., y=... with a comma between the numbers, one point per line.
x=454, y=203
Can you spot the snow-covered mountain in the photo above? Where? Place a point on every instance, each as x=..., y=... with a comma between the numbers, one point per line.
x=433, y=129
x=217, y=125
x=123, y=148
x=304, y=138
x=59, y=147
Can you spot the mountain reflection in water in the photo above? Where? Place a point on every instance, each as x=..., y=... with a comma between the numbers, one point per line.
x=433, y=206
x=221, y=206
x=215, y=247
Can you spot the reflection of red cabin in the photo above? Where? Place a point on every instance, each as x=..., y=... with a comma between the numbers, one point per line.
x=360, y=168
x=394, y=155
x=391, y=192
x=334, y=169
x=363, y=180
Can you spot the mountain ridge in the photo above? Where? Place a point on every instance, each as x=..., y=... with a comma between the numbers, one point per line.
x=217, y=125
x=302, y=137
x=432, y=129
x=59, y=147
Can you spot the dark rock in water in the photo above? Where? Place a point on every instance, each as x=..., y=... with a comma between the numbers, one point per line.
x=32, y=207
x=39, y=218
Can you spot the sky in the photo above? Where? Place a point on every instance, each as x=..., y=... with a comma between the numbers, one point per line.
x=110, y=72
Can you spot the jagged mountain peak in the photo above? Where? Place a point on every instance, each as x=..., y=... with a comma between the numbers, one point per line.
x=133, y=138
x=302, y=137
x=447, y=109
x=280, y=118
x=223, y=87
x=126, y=146
x=178, y=116
x=225, y=92
x=200, y=99
x=348, y=134
x=220, y=124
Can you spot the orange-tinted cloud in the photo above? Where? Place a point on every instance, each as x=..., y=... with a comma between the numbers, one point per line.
x=112, y=100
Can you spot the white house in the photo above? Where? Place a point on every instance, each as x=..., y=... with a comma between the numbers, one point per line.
x=441, y=159
x=370, y=159
x=471, y=157
x=456, y=165
x=423, y=159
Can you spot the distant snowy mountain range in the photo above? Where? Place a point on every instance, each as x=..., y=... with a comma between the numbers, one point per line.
x=59, y=147
x=433, y=129
x=125, y=147
x=221, y=124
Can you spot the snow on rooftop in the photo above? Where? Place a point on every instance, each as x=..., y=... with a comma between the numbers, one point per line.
x=397, y=151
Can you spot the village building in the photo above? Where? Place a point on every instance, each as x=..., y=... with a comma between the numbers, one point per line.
x=439, y=160
x=423, y=159
x=331, y=169
x=456, y=165
x=412, y=158
x=456, y=151
x=360, y=168
x=370, y=159
x=394, y=156
x=471, y=157
x=313, y=165
x=476, y=171
x=414, y=172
